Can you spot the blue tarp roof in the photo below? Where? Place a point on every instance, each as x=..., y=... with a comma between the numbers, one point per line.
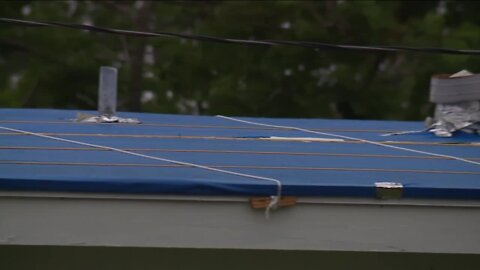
x=345, y=168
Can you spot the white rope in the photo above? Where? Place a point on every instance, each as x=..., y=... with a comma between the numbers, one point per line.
x=271, y=206
x=274, y=202
x=349, y=138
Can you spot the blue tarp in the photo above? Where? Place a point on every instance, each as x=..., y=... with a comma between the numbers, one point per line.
x=305, y=168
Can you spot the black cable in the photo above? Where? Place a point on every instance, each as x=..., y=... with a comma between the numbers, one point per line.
x=304, y=44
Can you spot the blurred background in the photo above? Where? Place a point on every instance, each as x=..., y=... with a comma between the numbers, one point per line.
x=58, y=68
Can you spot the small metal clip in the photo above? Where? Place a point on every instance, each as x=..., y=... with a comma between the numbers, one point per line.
x=388, y=190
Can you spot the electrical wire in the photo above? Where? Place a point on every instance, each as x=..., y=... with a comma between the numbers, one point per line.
x=304, y=44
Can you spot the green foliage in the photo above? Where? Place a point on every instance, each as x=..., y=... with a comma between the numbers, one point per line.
x=58, y=68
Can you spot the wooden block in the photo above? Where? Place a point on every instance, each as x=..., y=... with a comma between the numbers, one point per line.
x=263, y=202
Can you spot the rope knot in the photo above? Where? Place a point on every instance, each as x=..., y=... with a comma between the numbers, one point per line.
x=273, y=205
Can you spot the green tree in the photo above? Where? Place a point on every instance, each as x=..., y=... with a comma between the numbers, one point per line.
x=52, y=67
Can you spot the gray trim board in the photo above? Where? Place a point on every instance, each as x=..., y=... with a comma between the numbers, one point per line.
x=232, y=224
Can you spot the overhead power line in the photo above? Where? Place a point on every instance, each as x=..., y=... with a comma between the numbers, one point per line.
x=304, y=44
